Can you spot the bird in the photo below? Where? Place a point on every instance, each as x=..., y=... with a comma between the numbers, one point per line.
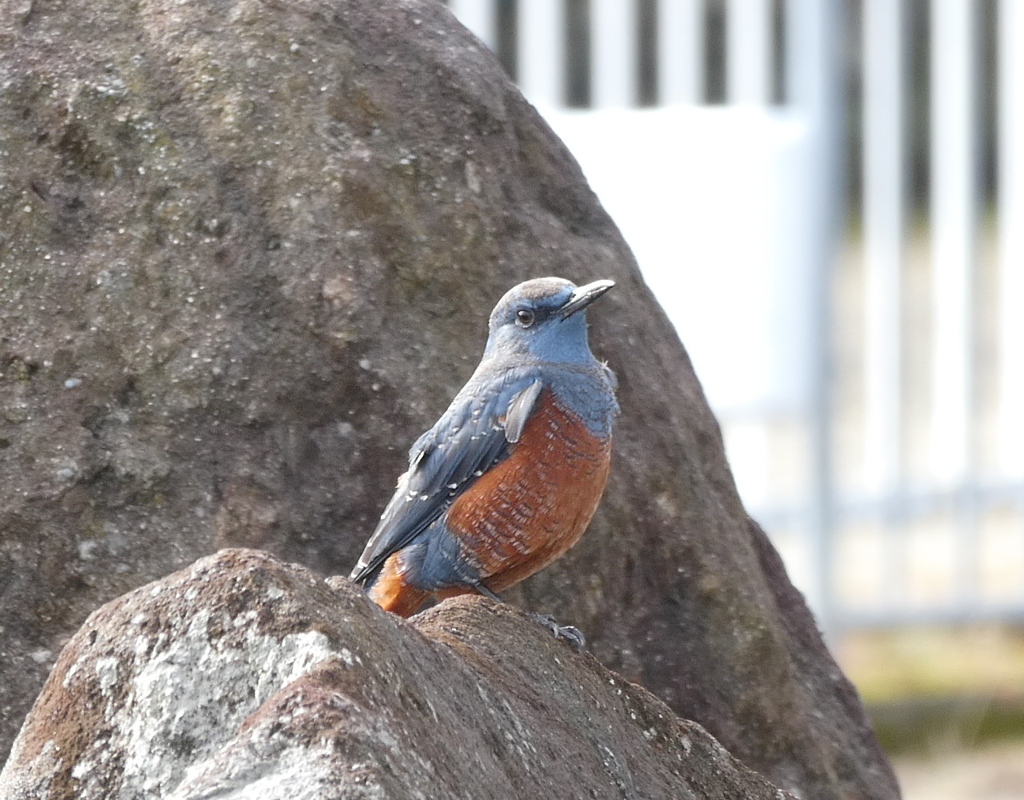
x=509, y=477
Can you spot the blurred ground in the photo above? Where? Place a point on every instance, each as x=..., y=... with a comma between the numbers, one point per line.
x=948, y=706
x=995, y=772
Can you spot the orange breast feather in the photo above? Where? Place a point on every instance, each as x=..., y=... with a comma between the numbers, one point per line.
x=528, y=510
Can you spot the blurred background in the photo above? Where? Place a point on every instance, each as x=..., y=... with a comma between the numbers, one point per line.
x=827, y=196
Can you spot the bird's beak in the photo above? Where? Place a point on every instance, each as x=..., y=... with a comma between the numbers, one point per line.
x=584, y=296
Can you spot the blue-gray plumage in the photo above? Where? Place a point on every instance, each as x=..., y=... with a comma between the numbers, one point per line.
x=508, y=478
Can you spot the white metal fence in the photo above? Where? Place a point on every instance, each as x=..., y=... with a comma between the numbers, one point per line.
x=870, y=386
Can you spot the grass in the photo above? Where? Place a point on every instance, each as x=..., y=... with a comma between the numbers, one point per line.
x=939, y=689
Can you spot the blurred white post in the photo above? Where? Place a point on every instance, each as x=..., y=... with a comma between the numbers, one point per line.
x=680, y=52
x=883, y=241
x=748, y=70
x=953, y=215
x=480, y=17
x=1011, y=234
x=613, y=54
x=813, y=37
x=541, y=52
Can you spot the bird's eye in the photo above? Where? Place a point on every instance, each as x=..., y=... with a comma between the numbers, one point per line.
x=524, y=318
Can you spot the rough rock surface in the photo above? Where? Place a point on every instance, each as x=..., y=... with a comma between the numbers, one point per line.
x=246, y=677
x=247, y=251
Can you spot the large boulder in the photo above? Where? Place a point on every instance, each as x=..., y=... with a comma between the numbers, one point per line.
x=247, y=252
x=243, y=677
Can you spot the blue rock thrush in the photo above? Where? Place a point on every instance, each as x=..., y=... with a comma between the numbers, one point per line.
x=509, y=477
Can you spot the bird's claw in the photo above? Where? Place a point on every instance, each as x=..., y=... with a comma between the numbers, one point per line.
x=568, y=633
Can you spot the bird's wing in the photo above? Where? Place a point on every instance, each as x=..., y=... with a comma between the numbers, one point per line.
x=472, y=436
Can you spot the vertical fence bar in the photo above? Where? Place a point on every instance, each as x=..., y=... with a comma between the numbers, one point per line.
x=680, y=51
x=883, y=174
x=614, y=60
x=954, y=57
x=883, y=241
x=480, y=17
x=953, y=222
x=748, y=71
x=813, y=88
x=541, y=52
x=1011, y=235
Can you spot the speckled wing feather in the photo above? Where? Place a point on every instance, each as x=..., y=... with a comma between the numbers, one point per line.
x=473, y=435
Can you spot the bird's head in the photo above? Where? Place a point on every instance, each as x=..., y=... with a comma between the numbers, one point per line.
x=544, y=318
